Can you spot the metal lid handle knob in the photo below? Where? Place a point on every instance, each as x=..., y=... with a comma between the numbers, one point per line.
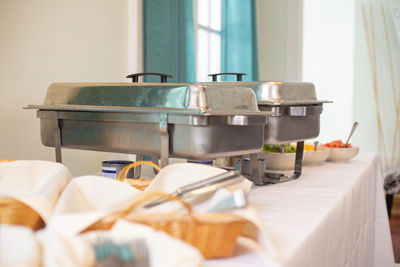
x=135, y=76
x=238, y=75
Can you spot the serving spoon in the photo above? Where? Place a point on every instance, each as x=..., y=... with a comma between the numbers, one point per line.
x=316, y=143
x=351, y=133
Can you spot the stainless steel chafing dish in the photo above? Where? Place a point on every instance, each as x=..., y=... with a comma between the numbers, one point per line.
x=296, y=117
x=171, y=120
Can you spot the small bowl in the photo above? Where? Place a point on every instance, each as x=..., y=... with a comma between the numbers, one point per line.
x=315, y=157
x=342, y=153
x=280, y=161
x=112, y=168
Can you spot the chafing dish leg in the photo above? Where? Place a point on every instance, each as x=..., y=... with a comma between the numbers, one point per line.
x=138, y=169
x=154, y=159
x=256, y=173
x=57, y=139
x=164, y=140
x=299, y=160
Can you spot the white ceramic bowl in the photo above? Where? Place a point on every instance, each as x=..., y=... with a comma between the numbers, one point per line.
x=315, y=157
x=342, y=154
x=280, y=161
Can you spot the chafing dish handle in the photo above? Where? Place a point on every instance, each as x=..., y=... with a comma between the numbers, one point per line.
x=135, y=76
x=238, y=75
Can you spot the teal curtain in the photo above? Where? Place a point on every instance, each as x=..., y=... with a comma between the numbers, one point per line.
x=168, y=33
x=239, y=39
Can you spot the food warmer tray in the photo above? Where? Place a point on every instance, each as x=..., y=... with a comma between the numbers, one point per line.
x=171, y=120
x=296, y=117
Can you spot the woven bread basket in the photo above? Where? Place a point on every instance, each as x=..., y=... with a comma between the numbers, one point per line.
x=140, y=184
x=15, y=212
x=214, y=234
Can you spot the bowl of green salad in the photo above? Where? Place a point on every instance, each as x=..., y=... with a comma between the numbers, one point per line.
x=279, y=156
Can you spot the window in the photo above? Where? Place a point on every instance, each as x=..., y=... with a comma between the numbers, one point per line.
x=208, y=38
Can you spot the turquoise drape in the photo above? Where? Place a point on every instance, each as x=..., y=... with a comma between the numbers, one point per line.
x=239, y=38
x=168, y=33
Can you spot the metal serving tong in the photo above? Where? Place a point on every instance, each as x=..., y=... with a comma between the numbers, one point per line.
x=202, y=187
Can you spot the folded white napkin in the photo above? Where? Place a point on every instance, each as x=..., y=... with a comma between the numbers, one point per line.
x=180, y=174
x=38, y=184
x=86, y=199
x=18, y=247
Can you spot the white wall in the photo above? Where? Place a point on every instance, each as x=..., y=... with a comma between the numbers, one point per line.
x=328, y=43
x=279, y=39
x=311, y=40
x=272, y=25
x=47, y=41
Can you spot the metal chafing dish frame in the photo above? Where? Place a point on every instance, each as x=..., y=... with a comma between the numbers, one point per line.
x=56, y=116
x=285, y=106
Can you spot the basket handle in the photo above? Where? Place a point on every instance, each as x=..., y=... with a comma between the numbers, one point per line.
x=123, y=174
x=151, y=195
x=112, y=218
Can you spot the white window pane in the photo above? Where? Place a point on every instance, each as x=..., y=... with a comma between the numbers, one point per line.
x=203, y=12
x=215, y=19
x=215, y=53
x=202, y=55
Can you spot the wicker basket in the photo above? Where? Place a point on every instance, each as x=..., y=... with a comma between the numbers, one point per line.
x=214, y=234
x=140, y=184
x=15, y=212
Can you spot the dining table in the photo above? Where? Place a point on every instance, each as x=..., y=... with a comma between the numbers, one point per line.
x=334, y=214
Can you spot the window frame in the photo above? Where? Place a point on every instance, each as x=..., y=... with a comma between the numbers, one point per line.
x=209, y=30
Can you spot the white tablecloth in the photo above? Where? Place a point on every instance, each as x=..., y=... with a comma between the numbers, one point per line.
x=333, y=215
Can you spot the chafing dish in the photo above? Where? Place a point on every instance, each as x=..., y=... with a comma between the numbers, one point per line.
x=296, y=117
x=180, y=120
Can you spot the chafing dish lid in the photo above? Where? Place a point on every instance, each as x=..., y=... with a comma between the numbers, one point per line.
x=145, y=97
x=281, y=93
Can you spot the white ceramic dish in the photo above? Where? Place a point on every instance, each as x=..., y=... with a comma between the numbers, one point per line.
x=342, y=154
x=315, y=157
x=279, y=161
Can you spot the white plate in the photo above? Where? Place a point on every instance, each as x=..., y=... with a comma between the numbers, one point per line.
x=315, y=157
x=342, y=154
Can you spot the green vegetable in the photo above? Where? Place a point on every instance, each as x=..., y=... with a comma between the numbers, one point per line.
x=288, y=148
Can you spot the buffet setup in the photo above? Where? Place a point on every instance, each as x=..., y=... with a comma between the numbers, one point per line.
x=235, y=137
x=198, y=121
